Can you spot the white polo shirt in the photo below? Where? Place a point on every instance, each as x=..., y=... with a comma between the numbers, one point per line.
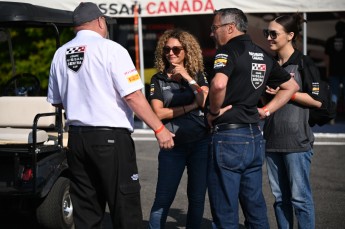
x=90, y=75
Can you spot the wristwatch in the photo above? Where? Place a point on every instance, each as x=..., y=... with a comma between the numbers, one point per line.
x=192, y=82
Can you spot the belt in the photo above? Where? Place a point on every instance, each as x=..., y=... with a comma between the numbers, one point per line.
x=229, y=126
x=96, y=128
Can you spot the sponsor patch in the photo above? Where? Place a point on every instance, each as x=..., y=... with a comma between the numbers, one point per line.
x=133, y=78
x=168, y=87
x=220, y=60
x=258, y=74
x=205, y=78
x=257, y=55
x=316, y=88
x=75, y=57
x=152, y=89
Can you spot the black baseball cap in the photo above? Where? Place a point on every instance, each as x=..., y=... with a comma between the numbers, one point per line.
x=85, y=12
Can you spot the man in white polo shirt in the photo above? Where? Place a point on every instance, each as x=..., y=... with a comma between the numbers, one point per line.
x=95, y=81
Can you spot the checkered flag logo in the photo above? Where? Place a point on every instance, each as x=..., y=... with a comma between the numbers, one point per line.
x=75, y=50
x=75, y=57
x=259, y=67
x=258, y=74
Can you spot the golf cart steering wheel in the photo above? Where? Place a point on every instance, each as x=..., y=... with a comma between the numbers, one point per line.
x=24, y=84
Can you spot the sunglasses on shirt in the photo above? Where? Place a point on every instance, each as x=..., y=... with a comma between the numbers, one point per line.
x=176, y=49
x=272, y=33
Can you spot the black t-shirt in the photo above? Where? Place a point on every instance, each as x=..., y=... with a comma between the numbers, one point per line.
x=188, y=127
x=249, y=69
x=173, y=93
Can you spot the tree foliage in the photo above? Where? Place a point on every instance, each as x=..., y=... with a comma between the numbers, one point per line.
x=33, y=50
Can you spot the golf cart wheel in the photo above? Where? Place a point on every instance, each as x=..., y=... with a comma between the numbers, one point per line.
x=56, y=211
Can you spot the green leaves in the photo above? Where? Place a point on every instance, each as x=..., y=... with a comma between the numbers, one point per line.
x=33, y=50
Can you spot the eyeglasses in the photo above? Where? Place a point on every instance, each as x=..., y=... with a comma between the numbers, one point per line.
x=272, y=33
x=176, y=49
x=215, y=27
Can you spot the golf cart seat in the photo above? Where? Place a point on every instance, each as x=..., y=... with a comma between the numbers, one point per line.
x=27, y=120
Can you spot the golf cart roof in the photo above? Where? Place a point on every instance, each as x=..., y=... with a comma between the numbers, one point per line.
x=24, y=14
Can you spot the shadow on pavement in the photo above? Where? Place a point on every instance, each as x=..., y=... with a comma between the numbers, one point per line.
x=336, y=126
x=177, y=220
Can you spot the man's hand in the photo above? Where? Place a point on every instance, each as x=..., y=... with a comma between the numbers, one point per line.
x=165, y=139
x=138, y=103
x=262, y=113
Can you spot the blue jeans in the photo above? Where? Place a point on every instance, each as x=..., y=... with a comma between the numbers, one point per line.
x=288, y=174
x=235, y=173
x=172, y=163
x=335, y=81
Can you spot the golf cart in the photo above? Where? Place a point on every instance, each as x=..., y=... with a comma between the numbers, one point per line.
x=34, y=174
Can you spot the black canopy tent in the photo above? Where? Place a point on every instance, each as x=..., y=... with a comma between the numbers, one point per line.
x=24, y=14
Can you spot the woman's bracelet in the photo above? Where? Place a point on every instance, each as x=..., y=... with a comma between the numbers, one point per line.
x=214, y=114
x=159, y=129
x=192, y=82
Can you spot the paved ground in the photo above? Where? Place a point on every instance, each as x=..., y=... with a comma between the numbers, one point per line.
x=335, y=127
x=327, y=177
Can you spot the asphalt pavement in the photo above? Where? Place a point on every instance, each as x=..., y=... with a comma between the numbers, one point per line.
x=327, y=180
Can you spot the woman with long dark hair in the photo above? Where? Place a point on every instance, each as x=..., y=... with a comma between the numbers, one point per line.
x=289, y=138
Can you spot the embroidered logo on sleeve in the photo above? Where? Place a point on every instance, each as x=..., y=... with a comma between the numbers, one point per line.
x=258, y=74
x=132, y=76
x=75, y=57
x=220, y=60
x=152, y=89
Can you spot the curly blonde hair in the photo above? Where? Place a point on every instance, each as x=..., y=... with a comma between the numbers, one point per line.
x=193, y=61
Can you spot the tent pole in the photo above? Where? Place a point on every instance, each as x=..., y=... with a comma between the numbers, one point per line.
x=141, y=51
x=136, y=39
x=305, y=33
x=141, y=57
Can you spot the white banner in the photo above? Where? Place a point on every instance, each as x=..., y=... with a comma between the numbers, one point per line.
x=155, y=8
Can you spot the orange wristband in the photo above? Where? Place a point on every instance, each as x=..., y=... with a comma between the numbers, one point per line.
x=267, y=112
x=159, y=129
x=198, y=90
x=293, y=97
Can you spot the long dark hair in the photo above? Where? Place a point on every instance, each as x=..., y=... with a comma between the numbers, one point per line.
x=291, y=23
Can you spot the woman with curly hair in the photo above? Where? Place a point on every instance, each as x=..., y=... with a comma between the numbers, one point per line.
x=177, y=95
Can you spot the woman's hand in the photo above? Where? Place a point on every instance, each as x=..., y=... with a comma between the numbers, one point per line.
x=210, y=117
x=272, y=91
x=180, y=72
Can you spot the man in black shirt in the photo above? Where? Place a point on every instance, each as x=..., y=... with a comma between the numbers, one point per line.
x=242, y=71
